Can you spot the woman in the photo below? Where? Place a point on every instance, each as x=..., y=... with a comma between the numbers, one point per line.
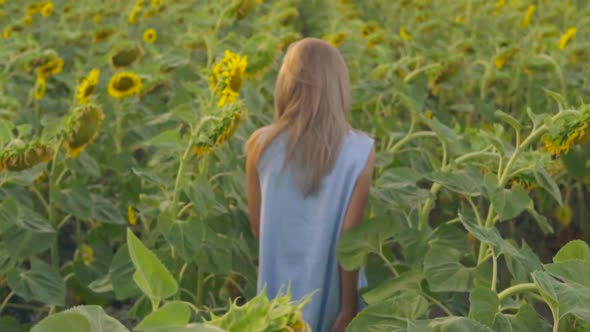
x=308, y=178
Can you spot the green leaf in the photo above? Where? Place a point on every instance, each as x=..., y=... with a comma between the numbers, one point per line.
x=444, y=272
x=186, y=237
x=74, y=201
x=571, y=271
x=537, y=119
x=5, y=132
x=215, y=255
x=399, y=177
x=576, y=249
x=41, y=283
x=25, y=232
x=151, y=275
x=63, y=322
x=441, y=129
x=522, y=266
x=26, y=177
x=121, y=274
x=509, y=119
x=10, y=324
x=451, y=236
x=546, y=182
x=525, y=320
x=447, y=324
x=490, y=236
x=99, y=320
x=80, y=319
x=508, y=203
x=484, y=305
x=540, y=219
x=358, y=242
x=546, y=288
x=105, y=211
x=175, y=314
x=462, y=182
x=387, y=289
x=168, y=139
x=201, y=194
x=389, y=315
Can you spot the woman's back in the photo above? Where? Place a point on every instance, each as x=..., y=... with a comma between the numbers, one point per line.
x=299, y=234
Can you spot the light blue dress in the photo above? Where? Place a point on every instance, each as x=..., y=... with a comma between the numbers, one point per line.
x=299, y=236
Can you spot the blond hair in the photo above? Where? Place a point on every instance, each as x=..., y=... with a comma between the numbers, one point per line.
x=312, y=100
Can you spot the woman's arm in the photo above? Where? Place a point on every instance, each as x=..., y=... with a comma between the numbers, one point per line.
x=253, y=193
x=354, y=216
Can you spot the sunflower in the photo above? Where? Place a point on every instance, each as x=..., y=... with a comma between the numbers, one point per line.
x=156, y=3
x=369, y=28
x=526, y=180
x=27, y=20
x=501, y=60
x=126, y=56
x=39, y=90
x=88, y=87
x=102, y=35
x=150, y=36
x=131, y=216
x=7, y=32
x=25, y=156
x=83, y=127
x=202, y=149
x=134, y=14
x=227, y=77
x=567, y=37
x=47, y=8
x=404, y=34
x=52, y=67
x=220, y=131
x=526, y=20
x=337, y=39
x=33, y=8
x=572, y=133
x=124, y=84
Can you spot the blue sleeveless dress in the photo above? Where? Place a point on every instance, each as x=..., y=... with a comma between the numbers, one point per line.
x=299, y=236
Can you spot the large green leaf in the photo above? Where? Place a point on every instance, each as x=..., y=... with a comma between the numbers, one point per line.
x=447, y=324
x=389, y=315
x=41, y=283
x=449, y=235
x=522, y=266
x=571, y=271
x=175, y=314
x=444, y=272
x=63, y=322
x=508, y=203
x=406, y=281
x=80, y=319
x=25, y=232
x=215, y=255
x=526, y=320
x=576, y=249
x=462, y=182
x=99, y=320
x=201, y=194
x=490, y=236
x=74, y=201
x=358, y=242
x=121, y=275
x=186, y=237
x=151, y=275
x=484, y=305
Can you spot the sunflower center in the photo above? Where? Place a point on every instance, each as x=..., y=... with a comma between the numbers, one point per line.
x=124, y=83
x=89, y=90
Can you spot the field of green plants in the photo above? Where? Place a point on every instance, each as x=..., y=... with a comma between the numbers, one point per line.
x=122, y=185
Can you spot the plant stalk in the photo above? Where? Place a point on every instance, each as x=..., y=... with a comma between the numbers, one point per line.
x=520, y=288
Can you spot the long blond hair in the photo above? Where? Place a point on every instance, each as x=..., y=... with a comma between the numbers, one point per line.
x=312, y=100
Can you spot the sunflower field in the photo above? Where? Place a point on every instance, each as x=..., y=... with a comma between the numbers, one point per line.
x=122, y=183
